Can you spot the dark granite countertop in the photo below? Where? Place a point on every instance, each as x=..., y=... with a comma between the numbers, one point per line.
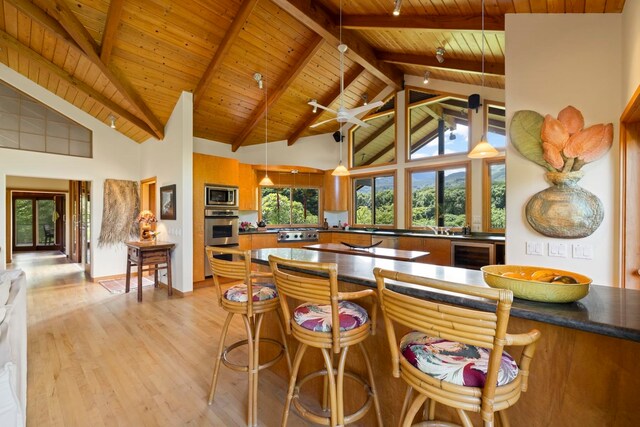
x=396, y=233
x=605, y=310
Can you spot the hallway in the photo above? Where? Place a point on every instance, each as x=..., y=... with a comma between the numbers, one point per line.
x=96, y=358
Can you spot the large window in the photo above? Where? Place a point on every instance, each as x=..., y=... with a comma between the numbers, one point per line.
x=495, y=195
x=439, y=197
x=290, y=205
x=373, y=200
x=495, y=124
x=375, y=144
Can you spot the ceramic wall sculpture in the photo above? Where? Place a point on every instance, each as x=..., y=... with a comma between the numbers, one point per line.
x=562, y=146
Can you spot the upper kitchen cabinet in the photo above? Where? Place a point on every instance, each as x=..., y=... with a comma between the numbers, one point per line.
x=375, y=144
x=214, y=170
x=437, y=124
x=248, y=188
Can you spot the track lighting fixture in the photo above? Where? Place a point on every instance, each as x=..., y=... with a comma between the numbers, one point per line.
x=315, y=105
x=397, y=4
x=112, y=120
x=440, y=54
x=452, y=136
x=427, y=74
x=258, y=78
x=365, y=99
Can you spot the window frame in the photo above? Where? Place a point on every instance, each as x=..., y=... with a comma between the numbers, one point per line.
x=292, y=187
x=486, y=193
x=352, y=196
x=407, y=123
x=485, y=126
x=435, y=168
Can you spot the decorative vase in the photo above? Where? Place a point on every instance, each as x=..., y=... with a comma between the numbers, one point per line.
x=565, y=210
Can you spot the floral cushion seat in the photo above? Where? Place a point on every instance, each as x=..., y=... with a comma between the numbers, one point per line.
x=317, y=318
x=454, y=362
x=261, y=292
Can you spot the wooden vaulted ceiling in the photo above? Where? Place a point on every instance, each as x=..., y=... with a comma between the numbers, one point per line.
x=132, y=59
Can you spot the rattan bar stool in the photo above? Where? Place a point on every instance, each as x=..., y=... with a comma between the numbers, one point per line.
x=236, y=265
x=455, y=355
x=312, y=324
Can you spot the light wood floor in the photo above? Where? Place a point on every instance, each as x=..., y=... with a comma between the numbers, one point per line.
x=96, y=358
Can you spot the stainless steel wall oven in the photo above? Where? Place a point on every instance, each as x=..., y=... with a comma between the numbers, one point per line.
x=220, y=229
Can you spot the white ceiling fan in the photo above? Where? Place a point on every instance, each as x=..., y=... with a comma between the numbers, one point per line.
x=344, y=115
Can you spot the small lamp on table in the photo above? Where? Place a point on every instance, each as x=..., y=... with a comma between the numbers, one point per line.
x=145, y=219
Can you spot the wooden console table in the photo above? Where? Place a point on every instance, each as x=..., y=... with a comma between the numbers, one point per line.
x=152, y=254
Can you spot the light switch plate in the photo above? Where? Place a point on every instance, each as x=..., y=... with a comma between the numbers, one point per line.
x=534, y=248
x=582, y=251
x=557, y=249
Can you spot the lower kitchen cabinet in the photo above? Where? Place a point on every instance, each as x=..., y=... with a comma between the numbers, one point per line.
x=261, y=241
x=353, y=238
x=244, y=242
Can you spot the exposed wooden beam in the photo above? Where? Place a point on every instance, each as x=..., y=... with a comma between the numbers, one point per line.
x=236, y=26
x=60, y=11
x=381, y=153
x=450, y=64
x=9, y=42
x=319, y=20
x=276, y=93
x=382, y=129
x=422, y=142
x=420, y=125
x=110, y=29
x=41, y=17
x=327, y=100
x=424, y=22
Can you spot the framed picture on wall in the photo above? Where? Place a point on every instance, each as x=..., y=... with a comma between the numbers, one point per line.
x=168, y=202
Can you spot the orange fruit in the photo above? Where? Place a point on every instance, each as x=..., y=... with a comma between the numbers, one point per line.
x=512, y=275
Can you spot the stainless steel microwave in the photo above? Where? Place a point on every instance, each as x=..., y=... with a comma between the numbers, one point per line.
x=219, y=196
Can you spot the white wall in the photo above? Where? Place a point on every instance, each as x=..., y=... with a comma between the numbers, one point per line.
x=114, y=156
x=171, y=162
x=630, y=49
x=553, y=61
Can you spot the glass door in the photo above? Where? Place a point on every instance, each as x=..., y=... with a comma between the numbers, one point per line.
x=36, y=222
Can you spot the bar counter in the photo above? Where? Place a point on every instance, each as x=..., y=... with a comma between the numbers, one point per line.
x=585, y=371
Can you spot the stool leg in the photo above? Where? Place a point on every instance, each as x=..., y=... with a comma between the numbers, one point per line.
x=466, y=421
x=256, y=364
x=413, y=410
x=432, y=410
x=216, y=363
x=328, y=362
x=283, y=335
x=504, y=419
x=292, y=382
x=340, y=385
x=405, y=405
x=251, y=369
x=372, y=384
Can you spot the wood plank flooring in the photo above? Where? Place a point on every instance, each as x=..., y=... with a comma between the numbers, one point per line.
x=102, y=359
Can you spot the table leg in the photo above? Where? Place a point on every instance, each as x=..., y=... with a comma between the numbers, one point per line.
x=169, y=284
x=128, y=281
x=155, y=276
x=140, y=264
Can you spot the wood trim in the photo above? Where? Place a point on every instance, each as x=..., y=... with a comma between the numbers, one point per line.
x=435, y=167
x=424, y=22
x=60, y=11
x=631, y=112
x=486, y=193
x=353, y=76
x=494, y=68
x=261, y=110
x=110, y=29
x=485, y=112
x=351, y=188
x=319, y=20
x=223, y=48
x=373, y=115
x=7, y=41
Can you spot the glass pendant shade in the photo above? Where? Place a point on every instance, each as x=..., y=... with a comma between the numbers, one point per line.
x=483, y=150
x=266, y=181
x=340, y=170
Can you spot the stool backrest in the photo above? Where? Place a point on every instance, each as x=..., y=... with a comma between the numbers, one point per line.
x=318, y=290
x=228, y=263
x=476, y=327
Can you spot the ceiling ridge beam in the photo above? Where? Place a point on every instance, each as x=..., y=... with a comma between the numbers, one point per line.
x=110, y=28
x=382, y=129
x=11, y=42
x=236, y=26
x=327, y=101
x=492, y=23
x=259, y=113
x=60, y=11
x=319, y=20
x=494, y=68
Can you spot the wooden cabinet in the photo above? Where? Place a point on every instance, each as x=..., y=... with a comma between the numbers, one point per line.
x=247, y=188
x=266, y=240
x=336, y=194
x=325, y=237
x=438, y=247
x=244, y=242
x=353, y=238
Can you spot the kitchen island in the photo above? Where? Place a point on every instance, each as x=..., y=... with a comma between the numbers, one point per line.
x=585, y=371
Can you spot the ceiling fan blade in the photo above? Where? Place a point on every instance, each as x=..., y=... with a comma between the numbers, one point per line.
x=358, y=110
x=315, y=104
x=315, y=125
x=359, y=122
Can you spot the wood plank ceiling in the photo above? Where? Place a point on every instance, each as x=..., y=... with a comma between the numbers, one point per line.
x=132, y=59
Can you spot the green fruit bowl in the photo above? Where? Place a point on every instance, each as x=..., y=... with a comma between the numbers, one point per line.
x=534, y=290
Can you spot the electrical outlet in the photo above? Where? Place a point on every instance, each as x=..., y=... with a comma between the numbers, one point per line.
x=534, y=248
x=582, y=251
x=558, y=249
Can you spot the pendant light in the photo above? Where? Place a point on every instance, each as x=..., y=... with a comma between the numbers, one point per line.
x=266, y=181
x=483, y=149
x=340, y=170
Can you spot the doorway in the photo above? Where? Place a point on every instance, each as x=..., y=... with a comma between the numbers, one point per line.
x=80, y=195
x=38, y=221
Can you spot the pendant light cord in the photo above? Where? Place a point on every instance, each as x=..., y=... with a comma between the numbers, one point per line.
x=483, y=49
x=341, y=62
x=266, y=111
